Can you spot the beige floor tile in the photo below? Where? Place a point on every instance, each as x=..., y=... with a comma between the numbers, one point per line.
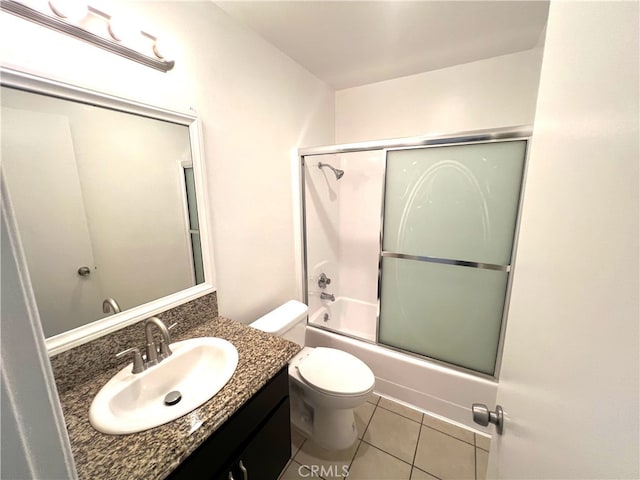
x=393, y=433
x=294, y=471
x=363, y=414
x=330, y=462
x=483, y=442
x=372, y=463
x=449, y=428
x=482, y=460
x=401, y=409
x=374, y=398
x=417, y=474
x=297, y=439
x=444, y=456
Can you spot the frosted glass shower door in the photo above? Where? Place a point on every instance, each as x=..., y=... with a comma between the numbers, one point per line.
x=449, y=223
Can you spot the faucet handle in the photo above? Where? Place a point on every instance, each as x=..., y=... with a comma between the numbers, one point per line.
x=323, y=280
x=164, y=351
x=138, y=364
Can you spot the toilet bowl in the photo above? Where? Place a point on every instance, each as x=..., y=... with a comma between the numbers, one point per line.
x=325, y=384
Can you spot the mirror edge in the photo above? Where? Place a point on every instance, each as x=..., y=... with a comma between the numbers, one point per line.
x=98, y=328
x=78, y=336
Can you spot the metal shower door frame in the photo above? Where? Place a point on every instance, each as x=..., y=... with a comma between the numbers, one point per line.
x=518, y=133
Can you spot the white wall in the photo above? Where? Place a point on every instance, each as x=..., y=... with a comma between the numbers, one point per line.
x=570, y=380
x=256, y=104
x=496, y=92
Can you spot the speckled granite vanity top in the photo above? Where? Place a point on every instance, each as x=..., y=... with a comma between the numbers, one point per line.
x=154, y=453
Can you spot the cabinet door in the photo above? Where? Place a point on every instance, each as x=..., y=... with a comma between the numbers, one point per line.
x=218, y=456
x=269, y=451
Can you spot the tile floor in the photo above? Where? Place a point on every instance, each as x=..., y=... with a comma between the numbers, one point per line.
x=395, y=443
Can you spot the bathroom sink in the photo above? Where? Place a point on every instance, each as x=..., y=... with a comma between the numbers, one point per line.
x=198, y=369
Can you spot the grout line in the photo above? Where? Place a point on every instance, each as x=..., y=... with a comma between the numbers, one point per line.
x=384, y=451
x=297, y=449
x=352, y=460
x=415, y=450
x=449, y=435
x=293, y=455
x=374, y=446
x=412, y=463
x=302, y=444
x=424, y=471
x=285, y=468
x=475, y=462
x=475, y=441
x=366, y=427
x=404, y=416
x=291, y=460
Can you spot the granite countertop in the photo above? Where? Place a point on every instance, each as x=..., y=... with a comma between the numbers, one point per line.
x=154, y=453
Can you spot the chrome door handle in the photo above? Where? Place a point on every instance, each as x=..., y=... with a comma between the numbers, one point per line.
x=483, y=416
x=245, y=473
x=84, y=271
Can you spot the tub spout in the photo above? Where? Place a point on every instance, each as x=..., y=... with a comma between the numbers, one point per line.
x=328, y=296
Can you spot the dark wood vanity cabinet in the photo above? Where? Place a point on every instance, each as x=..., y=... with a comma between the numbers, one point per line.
x=254, y=444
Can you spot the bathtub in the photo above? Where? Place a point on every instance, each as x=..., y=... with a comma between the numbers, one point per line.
x=436, y=389
x=349, y=316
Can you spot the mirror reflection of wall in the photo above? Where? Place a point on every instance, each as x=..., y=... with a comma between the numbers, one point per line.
x=103, y=189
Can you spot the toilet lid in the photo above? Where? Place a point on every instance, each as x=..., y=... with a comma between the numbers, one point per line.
x=337, y=372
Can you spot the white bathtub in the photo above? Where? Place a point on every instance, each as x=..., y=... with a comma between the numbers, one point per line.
x=347, y=315
x=431, y=387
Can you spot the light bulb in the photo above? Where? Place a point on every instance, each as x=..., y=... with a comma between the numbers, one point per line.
x=71, y=10
x=122, y=30
x=162, y=50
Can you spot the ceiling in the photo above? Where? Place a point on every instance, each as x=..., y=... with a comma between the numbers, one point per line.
x=352, y=43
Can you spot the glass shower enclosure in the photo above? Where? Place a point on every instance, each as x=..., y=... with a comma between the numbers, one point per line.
x=410, y=244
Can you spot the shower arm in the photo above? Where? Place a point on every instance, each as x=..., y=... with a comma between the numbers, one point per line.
x=337, y=172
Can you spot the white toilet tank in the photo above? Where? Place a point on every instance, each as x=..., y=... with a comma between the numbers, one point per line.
x=287, y=321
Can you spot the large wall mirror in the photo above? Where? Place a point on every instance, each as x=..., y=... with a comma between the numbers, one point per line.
x=108, y=199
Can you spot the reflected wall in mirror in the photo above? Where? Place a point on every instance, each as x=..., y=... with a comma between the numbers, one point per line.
x=105, y=203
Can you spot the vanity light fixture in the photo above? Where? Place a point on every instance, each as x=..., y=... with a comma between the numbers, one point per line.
x=67, y=16
x=71, y=10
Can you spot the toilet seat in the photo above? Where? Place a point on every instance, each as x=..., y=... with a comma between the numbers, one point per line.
x=336, y=372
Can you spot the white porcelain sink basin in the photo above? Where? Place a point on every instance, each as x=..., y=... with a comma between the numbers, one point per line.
x=130, y=403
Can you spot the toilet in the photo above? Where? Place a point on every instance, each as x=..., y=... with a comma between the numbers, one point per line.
x=325, y=384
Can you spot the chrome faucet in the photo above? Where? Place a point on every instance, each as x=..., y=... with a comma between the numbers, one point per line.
x=323, y=280
x=155, y=356
x=110, y=304
x=328, y=296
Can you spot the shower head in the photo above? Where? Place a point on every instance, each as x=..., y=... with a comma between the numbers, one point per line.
x=338, y=173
